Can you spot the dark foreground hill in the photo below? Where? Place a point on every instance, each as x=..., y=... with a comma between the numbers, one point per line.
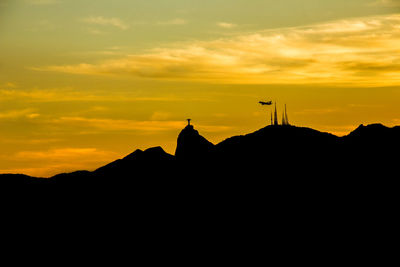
x=270, y=155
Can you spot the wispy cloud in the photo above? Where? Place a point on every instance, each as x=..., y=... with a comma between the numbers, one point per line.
x=176, y=21
x=42, y=25
x=386, y=3
x=42, y=2
x=13, y=114
x=160, y=122
x=360, y=51
x=120, y=124
x=226, y=25
x=62, y=153
x=319, y=111
x=157, y=116
x=95, y=31
x=99, y=20
x=70, y=94
x=10, y=85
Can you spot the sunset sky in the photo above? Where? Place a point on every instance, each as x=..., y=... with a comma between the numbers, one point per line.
x=84, y=82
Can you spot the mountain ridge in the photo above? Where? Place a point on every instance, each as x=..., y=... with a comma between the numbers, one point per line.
x=274, y=147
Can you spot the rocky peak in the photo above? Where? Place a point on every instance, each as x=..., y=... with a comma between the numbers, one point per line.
x=191, y=145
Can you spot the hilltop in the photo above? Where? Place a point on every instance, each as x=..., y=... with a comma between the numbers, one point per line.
x=271, y=153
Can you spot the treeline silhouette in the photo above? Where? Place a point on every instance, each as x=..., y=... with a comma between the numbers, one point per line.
x=271, y=155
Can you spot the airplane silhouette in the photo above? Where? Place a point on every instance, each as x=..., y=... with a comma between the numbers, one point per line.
x=265, y=103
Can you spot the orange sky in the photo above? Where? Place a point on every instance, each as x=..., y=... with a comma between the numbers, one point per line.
x=83, y=83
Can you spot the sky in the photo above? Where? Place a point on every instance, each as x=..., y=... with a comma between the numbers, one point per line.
x=85, y=82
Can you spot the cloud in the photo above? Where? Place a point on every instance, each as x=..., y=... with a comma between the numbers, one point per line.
x=162, y=124
x=61, y=153
x=99, y=20
x=120, y=124
x=319, y=111
x=10, y=85
x=22, y=113
x=226, y=25
x=42, y=2
x=42, y=25
x=31, y=141
x=337, y=52
x=70, y=94
x=157, y=116
x=176, y=21
x=386, y=3
x=95, y=31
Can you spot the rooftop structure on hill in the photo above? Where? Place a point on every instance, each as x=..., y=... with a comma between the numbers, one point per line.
x=274, y=115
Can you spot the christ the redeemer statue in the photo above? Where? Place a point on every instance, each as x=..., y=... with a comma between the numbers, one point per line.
x=189, y=120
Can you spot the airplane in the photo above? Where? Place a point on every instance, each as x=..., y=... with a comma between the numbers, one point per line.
x=265, y=103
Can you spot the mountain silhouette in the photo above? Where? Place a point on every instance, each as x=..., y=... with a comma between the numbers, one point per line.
x=151, y=162
x=191, y=146
x=271, y=154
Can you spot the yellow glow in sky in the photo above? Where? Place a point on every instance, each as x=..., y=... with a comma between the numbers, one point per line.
x=83, y=83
